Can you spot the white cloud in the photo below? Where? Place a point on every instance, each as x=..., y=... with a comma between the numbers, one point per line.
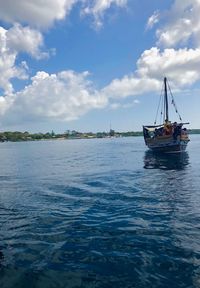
x=98, y=8
x=43, y=13
x=68, y=95
x=130, y=85
x=37, y=13
x=63, y=96
x=117, y=105
x=180, y=66
x=8, y=70
x=153, y=19
x=13, y=41
x=25, y=39
x=183, y=24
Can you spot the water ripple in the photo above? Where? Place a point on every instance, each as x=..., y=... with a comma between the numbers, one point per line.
x=99, y=213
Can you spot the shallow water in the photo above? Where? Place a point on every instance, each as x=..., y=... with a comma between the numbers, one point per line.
x=99, y=213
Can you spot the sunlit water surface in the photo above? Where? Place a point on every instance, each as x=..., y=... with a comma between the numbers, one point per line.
x=99, y=213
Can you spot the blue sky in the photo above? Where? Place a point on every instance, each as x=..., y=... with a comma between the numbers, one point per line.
x=83, y=65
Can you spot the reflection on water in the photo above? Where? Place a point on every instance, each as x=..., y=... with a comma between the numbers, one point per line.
x=1, y=257
x=166, y=161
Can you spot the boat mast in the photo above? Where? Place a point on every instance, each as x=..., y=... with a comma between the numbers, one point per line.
x=166, y=101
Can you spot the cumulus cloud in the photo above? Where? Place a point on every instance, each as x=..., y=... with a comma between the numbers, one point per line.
x=25, y=39
x=180, y=66
x=38, y=13
x=98, y=7
x=183, y=24
x=68, y=95
x=13, y=41
x=130, y=85
x=43, y=13
x=63, y=96
x=8, y=70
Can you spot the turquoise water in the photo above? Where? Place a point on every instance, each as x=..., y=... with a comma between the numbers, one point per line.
x=98, y=213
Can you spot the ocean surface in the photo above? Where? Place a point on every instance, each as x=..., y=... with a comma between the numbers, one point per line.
x=99, y=213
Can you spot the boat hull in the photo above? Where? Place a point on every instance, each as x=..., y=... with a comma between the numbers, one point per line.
x=170, y=146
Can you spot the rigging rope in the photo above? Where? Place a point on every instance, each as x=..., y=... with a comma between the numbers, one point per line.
x=162, y=105
x=159, y=106
x=173, y=102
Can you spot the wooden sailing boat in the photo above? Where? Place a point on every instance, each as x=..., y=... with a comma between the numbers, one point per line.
x=168, y=136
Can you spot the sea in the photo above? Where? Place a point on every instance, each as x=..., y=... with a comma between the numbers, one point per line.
x=99, y=213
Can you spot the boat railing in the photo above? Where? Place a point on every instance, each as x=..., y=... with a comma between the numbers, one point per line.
x=165, y=131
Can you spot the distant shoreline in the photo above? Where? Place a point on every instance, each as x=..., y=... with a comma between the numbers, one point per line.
x=17, y=136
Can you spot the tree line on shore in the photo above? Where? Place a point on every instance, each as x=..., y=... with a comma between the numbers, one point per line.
x=26, y=136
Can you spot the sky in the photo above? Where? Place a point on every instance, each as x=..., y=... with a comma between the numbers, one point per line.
x=89, y=65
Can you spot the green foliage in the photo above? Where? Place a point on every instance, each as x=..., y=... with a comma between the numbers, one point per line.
x=26, y=136
x=131, y=133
